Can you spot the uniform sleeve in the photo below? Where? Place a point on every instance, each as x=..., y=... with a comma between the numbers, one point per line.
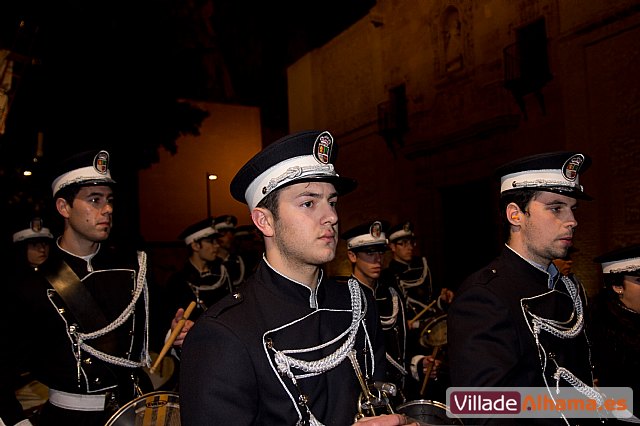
x=217, y=380
x=483, y=345
x=10, y=409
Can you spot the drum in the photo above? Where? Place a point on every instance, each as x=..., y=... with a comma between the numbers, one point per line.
x=153, y=409
x=165, y=377
x=428, y=413
x=434, y=332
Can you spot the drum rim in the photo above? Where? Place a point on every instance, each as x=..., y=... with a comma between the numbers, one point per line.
x=424, y=401
x=133, y=402
x=437, y=404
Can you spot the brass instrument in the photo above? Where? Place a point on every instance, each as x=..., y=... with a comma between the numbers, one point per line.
x=368, y=402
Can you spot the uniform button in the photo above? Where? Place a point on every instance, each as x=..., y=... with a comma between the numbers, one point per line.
x=130, y=332
x=61, y=310
x=494, y=271
x=88, y=361
x=268, y=342
x=97, y=380
x=237, y=295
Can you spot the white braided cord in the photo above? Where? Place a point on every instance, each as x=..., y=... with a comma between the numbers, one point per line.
x=284, y=362
x=558, y=329
x=141, y=288
x=388, y=321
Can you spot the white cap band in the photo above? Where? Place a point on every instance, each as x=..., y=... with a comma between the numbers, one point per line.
x=83, y=175
x=203, y=233
x=620, y=266
x=27, y=234
x=536, y=179
x=366, y=240
x=293, y=169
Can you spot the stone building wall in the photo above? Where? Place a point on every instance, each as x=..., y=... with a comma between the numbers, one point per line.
x=436, y=168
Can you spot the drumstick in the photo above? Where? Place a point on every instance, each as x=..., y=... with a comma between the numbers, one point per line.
x=173, y=336
x=414, y=319
x=429, y=368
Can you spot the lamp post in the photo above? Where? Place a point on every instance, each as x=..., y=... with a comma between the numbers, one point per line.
x=210, y=177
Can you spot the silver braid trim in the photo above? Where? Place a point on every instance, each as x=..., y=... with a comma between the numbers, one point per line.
x=578, y=384
x=141, y=288
x=285, y=362
x=557, y=328
x=388, y=321
x=560, y=330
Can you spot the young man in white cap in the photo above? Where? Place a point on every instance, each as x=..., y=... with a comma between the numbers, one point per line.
x=614, y=326
x=196, y=281
x=290, y=332
x=83, y=320
x=518, y=322
x=232, y=262
x=366, y=245
x=412, y=273
x=32, y=245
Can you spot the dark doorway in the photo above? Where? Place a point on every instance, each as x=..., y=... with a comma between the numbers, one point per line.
x=471, y=228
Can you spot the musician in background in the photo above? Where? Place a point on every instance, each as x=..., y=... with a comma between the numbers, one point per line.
x=233, y=262
x=32, y=245
x=614, y=323
x=279, y=351
x=412, y=272
x=81, y=324
x=366, y=245
x=198, y=280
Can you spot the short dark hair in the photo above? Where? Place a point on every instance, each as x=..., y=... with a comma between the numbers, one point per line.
x=522, y=198
x=270, y=202
x=69, y=193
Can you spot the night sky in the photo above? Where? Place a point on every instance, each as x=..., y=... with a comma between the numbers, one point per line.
x=112, y=74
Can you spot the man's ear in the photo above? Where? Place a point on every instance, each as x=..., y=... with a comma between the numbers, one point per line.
x=352, y=256
x=263, y=219
x=514, y=214
x=63, y=207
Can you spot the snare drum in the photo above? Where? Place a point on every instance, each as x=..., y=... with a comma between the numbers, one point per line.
x=429, y=413
x=152, y=409
x=434, y=332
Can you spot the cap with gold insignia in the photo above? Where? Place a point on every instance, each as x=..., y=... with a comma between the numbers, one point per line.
x=556, y=172
x=624, y=261
x=306, y=156
x=36, y=230
x=401, y=231
x=225, y=223
x=198, y=231
x=369, y=236
x=86, y=168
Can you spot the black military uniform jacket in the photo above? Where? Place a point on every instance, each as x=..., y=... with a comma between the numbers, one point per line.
x=43, y=327
x=489, y=336
x=228, y=371
x=412, y=279
x=188, y=285
x=236, y=269
x=614, y=330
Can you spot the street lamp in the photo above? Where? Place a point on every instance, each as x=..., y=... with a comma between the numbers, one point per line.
x=210, y=177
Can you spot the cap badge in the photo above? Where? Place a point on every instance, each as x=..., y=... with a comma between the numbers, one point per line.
x=407, y=227
x=322, y=147
x=375, y=230
x=36, y=224
x=101, y=162
x=571, y=167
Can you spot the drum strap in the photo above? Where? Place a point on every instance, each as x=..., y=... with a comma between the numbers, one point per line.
x=81, y=304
